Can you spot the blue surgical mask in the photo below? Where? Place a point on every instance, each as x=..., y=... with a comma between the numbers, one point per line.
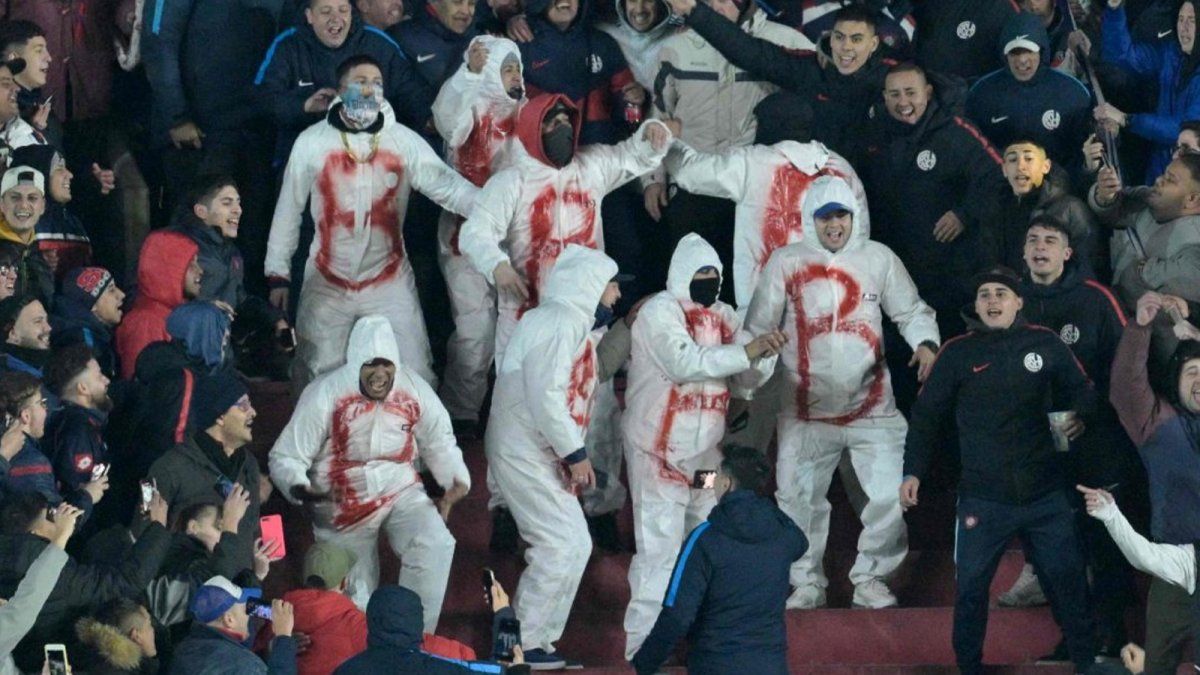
x=604, y=316
x=359, y=108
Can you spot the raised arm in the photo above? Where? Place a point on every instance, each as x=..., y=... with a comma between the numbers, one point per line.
x=793, y=70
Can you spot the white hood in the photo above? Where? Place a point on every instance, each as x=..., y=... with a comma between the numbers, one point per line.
x=492, y=93
x=372, y=338
x=828, y=189
x=807, y=157
x=692, y=253
x=579, y=277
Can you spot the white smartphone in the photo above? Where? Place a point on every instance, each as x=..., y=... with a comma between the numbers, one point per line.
x=56, y=659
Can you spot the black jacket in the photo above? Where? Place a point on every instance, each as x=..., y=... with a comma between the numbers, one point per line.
x=838, y=104
x=206, y=651
x=394, y=634
x=728, y=591
x=959, y=36
x=436, y=51
x=914, y=174
x=1008, y=216
x=79, y=588
x=200, y=57
x=1087, y=317
x=999, y=386
x=74, y=442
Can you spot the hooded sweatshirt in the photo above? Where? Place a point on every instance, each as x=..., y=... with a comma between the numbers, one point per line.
x=162, y=264
x=545, y=379
x=357, y=185
x=831, y=307
x=74, y=322
x=1051, y=109
x=60, y=233
x=477, y=119
x=768, y=183
x=394, y=634
x=340, y=439
x=728, y=591
x=640, y=48
x=684, y=355
x=528, y=212
x=435, y=50
x=219, y=257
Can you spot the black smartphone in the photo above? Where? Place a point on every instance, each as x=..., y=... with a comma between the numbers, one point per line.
x=258, y=607
x=489, y=578
x=224, y=486
x=508, y=635
x=704, y=479
x=287, y=338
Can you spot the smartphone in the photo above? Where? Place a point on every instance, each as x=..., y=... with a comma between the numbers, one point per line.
x=272, y=530
x=224, y=486
x=98, y=470
x=704, y=479
x=489, y=578
x=287, y=338
x=259, y=608
x=508, y=635
x=147, y=488
x=56, y=657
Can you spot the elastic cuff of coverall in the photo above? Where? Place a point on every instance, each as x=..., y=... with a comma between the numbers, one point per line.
x=274, y=282
x=576, y=457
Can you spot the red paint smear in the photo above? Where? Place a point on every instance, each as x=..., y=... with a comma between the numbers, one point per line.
x=707, y=329
x=546, y=241
x=782, y=223
x=475, y=156
x=351, y=509
x=808, y=329
x=581, y=387
x=339, y=177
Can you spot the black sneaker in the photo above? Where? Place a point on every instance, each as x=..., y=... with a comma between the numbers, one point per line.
x=504, y=532
x=603, y=529
x=538, y=659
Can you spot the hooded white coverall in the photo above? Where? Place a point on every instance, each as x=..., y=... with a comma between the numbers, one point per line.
x=682, y=360
x=838, y=393
x=477, y=119
x=540, y=412
x=362, y=453
x=357, y=264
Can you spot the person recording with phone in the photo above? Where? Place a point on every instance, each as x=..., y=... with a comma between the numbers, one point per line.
x=216, y=643
x=20, y=609
x=688, y=349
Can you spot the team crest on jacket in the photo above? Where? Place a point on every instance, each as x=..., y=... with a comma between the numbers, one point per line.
x=83, y=462
x=1069, y=334
x=966, y=30
x=1033, y=362
x=595, y=63
x=1051, y=119
x=926, y=160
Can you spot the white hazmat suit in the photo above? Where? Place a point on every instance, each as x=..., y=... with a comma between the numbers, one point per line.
x=838, y=393
x=363, y=453
x=682, y=359
x=540, y=412
x=359, y=183
x=477, y=119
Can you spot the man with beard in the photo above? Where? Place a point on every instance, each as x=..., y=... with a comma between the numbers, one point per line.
x=357, y=170
x=87, y=310
x=350, y=451
x=476, y=113
x=74, y=439
x=26, y=330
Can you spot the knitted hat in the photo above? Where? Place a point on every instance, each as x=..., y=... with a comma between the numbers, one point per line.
x=83, y=286
x=998, y=275
x=216, y=596
x=213, y=397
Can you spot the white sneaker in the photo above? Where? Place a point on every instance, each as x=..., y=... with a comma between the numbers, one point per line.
x=1025, y=592
x=873, y=594
x=806, y=597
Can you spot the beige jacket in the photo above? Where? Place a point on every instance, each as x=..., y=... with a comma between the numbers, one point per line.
x=711, y=97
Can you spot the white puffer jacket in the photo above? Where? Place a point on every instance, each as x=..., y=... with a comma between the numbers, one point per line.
x=364, y=450
x=683, y=357
x=831, y=306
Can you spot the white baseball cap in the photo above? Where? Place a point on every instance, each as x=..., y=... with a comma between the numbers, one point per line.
x=22, y=175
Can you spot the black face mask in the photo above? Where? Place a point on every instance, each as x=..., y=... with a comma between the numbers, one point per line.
x=559, y=145
x=704, y=291
x=604, y=316
x=516, y=92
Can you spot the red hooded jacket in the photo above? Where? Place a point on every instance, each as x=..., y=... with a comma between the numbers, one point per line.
x=161, y=267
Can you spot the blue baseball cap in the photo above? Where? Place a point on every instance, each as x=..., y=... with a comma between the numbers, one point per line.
x=830, y=209
x=217, y=595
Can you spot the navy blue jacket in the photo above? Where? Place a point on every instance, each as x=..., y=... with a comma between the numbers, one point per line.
x=297, y=64
x=72, y=323
x=206, y=651
x=998, y=386
x=201, y=57
x=394, y=634
x=1052, y=109
x=74, y=442
x=219, y=257
x=582, y=63
x=958, y=37
x=436, y=51
x=728, y=591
